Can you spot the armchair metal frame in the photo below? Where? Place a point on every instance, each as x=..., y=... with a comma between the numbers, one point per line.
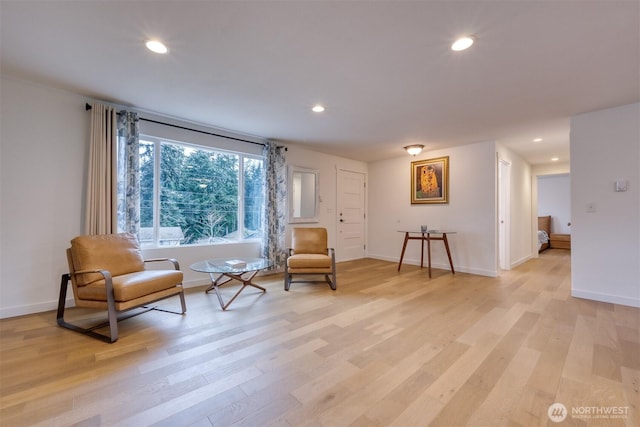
x=328, y=278
x=309, y=255
x=113, y=315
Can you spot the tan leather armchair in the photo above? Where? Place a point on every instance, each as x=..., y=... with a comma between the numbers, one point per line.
x=107, y=272
x=310, y=255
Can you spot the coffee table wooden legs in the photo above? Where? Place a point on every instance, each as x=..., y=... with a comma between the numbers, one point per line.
x=224, y=278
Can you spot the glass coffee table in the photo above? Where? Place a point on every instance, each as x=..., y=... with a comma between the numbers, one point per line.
x=224, y=270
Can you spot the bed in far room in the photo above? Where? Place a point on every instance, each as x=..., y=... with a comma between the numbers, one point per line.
x=544, y=230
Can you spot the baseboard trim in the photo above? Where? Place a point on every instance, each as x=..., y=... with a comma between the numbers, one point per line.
x=42, y=307
x=24, y=310
x=441, y=266
x=521, y=261
x=613, y=299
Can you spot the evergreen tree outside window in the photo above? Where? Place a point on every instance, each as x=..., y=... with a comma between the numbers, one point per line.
x=198, y=195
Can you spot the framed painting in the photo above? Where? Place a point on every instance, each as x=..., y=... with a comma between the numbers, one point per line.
x=430, y=181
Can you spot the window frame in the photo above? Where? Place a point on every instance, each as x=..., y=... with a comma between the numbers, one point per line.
x=157, y=160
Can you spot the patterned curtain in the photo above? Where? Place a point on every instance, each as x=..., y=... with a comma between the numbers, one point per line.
x=101, y=193
x=273, y=239
x=128, y=206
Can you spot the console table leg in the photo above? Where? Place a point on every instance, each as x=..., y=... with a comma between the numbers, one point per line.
x=404, y=247
x=429, y=253
x=446, y=245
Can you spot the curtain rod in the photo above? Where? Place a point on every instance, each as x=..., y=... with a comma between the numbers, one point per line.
x=88, y=107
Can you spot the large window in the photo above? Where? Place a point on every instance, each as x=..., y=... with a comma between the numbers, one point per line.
x=198, y=195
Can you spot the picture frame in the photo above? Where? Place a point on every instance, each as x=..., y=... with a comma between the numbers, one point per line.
x=430, y=181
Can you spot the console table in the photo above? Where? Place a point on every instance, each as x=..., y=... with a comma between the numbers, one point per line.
x=427, y=236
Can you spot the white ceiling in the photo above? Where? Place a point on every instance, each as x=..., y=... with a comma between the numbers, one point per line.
x=383, y=69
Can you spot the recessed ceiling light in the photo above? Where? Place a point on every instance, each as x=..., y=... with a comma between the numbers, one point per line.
x=537, y=140
x=554, y=159
x=156, y=46
x=317, y=108
x=463, y=43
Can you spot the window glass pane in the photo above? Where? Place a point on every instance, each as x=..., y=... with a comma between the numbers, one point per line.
x=198, y=195
x=147, y=165
x=253, y=197
x=172, y=219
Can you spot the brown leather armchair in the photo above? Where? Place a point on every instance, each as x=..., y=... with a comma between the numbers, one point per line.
x=310, y=255
x=107, y=272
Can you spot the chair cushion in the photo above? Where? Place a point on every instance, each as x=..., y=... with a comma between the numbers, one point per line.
x=133, y=285
x=118, y=253
x=309, y=261
x=309, y=240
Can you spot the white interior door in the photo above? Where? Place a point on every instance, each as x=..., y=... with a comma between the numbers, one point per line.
x=504, y=214
x=351, y=216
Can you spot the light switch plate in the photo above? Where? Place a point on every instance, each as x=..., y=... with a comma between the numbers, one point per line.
x=621, y=185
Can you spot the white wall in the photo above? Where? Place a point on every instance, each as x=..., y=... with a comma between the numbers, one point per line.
x=554, y=198
x=605, y=244
x=471, y=211
x=43, y=137
x=43, y=134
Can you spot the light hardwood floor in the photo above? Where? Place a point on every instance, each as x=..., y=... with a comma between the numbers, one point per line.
x=386, y=348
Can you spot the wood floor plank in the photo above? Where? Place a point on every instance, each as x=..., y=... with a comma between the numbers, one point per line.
x=606, y=362
x=497, y=407
x=474, y=391
x=188, y=400
x=450, y=381
x=631, y=390
x=319, y=385
x=579, y=361
x=386, y=348
x=357, y=404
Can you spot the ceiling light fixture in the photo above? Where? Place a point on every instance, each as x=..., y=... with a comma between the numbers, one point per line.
x=317, y=108
x=537, y=140
x=463, y=43
x=554, y=159
x=414, y=149
x=156, y=46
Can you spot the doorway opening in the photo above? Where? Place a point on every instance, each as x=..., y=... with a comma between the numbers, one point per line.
x=554, y=200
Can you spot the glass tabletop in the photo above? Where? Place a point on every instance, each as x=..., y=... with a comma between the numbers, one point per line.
x=230, y=265
x=427, y=231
